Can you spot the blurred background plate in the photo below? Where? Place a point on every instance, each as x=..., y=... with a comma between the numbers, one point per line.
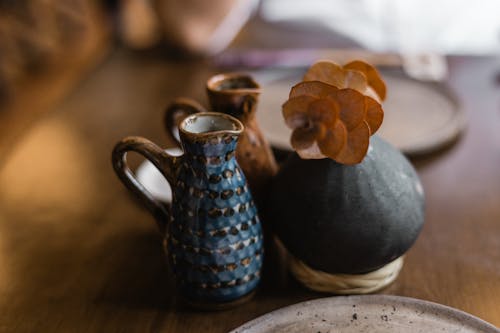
x=373, y=313
x=420, y=117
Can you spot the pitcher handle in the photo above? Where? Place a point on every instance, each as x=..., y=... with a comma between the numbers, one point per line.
x=179, y=109
x=164, y=162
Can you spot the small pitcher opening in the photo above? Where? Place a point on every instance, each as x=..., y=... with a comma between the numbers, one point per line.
x=231, y=82
x=210, y=123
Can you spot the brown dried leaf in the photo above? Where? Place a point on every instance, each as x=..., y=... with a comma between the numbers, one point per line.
x=312, y=88
x=326, y=71
x=355, y=80
x=311, y=153
x=303, y=137
x=333, y=140
x=352, y=107
x=372, y=75
x=333, y=74
x=374, y=114
x=356, y=146
x=325, y=111
x=295, y=111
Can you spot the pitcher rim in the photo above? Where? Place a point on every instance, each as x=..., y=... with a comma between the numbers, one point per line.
x=237, y=131
x=220, y=77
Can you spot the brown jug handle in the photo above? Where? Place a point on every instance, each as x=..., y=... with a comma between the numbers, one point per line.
x=164, y=162
x=179, y=109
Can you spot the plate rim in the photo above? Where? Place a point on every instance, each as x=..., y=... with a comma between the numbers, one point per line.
x=449, y=311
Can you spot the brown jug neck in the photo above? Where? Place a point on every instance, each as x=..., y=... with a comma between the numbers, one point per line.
x=234, y=94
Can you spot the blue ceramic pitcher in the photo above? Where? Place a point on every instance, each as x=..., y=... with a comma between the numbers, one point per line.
x=212, y=233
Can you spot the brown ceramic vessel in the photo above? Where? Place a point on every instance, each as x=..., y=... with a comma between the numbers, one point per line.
x=237, y=95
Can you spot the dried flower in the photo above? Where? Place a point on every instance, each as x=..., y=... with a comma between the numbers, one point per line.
x=357, y=75
x=332, y=114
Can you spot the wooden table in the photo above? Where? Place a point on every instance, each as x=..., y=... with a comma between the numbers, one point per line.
x=77, y=254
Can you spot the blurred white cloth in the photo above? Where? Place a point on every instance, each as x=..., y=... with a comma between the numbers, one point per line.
x=409, y=26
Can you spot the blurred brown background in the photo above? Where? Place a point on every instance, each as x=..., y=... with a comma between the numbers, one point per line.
x=76, y=251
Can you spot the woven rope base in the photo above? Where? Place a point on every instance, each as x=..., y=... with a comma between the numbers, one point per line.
x=343, y=284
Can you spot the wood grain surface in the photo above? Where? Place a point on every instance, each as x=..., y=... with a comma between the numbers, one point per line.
x=78, y=254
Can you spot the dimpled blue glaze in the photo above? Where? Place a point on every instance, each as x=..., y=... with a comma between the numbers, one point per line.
x=215, y=241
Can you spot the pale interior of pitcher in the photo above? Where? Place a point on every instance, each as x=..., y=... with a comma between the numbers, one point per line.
x=198, y=124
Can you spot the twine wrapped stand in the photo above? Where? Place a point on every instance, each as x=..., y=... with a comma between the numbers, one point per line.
x=342, y=284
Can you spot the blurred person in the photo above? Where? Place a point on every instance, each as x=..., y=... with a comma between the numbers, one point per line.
x=195, y=26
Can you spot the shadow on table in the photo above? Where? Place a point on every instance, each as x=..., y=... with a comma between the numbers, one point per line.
x=137, y=272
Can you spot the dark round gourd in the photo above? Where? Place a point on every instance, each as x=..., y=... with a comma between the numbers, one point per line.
x=347, y=218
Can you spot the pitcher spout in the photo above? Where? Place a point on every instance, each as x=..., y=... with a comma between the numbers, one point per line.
x=210, y=137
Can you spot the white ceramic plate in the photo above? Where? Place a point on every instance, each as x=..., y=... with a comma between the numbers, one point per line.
x=373, y=313
x=419, y=116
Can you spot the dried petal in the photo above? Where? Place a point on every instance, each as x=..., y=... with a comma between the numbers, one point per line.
x=334, y=140
x=374, y=114
x=295, y=111
x=355, y=80
x=311, y=153
x=370, y=92
x=372, y=75
x=356, y=146
x=304, y=137
x=334, y=112
x=325, y=111
x=333, y=74
x=328, y=72
x=352, y=107
x=312, y=88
